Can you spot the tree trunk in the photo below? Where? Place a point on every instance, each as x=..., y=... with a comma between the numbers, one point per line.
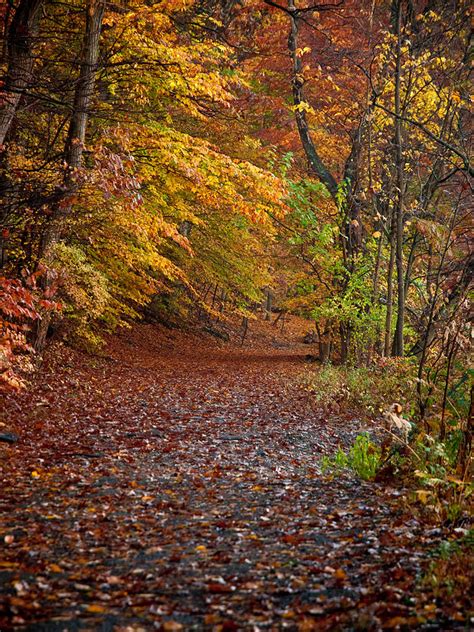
x=268, y=305
x=214, y=296
x=465, y=449
x=431, y=321
x=324, y=342
x=223, y=300
x=345, y=333
x=19, y=47
x=451, y=353
x=411, y=259
x=245, y=326
x=74, y=146
x=17, y=54
x=398, y=342
x=391, y=264
x=376, y=346
x=315, y=162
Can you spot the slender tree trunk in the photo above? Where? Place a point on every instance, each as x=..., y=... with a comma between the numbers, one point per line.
x=375, y=280
x=451, y=354
x=19, y=48
x=377, y=344
x=345, y=334
x=315, y=162
x=465, y=449
x=398, y=342
x=391, y=265
x=223, y=300
x=74, y=147
x=245, y=326
x=268, y=305
x=76, y=137
x=17, y=55
x=347, y=204
x=214, y=296
x=411, y=259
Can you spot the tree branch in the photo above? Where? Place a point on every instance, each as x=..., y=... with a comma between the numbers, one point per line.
x=436, y=139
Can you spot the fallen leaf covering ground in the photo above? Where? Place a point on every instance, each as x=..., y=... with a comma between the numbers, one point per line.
x=174, y=483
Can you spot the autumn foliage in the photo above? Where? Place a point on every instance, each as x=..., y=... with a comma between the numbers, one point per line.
x=21, y=306
x=281, y=191
x=173, y=158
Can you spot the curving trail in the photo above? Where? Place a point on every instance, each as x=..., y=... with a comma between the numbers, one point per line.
x=174, y=484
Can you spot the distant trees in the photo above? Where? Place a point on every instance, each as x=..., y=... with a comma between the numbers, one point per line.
x=378, y=92
x=404, y=129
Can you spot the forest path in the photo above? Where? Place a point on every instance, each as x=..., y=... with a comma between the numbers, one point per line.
x=177, y=487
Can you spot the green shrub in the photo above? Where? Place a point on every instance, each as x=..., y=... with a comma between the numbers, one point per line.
x=363, y=457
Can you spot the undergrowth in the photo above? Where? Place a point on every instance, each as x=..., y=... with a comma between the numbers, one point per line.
x=444, y=495
x=427, y=467
x=369, y=390
x=451, y=572
x=363, y=458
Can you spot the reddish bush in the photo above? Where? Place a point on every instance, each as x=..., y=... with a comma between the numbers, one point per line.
x=21, y=304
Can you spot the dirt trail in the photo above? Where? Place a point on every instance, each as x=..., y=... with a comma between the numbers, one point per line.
x=174, y=484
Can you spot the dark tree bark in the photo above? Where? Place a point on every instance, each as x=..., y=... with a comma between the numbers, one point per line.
x=398, y=342
x=20, y=60
x=315, y=162
x=350, y=205
x=347, y=203
x=465, y=449
x=74, y=147
x=390, y=270
x=268, y=304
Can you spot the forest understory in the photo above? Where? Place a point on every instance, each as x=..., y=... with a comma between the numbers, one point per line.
x=174, y=482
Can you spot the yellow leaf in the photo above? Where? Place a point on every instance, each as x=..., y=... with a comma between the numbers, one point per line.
x=376, y=234
x=340, y=574
x=96, y=608
x=35, y=474
x=288, y=614
x=423, y=495
x=458, y=481
x=55, y=568
x=172, y=626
